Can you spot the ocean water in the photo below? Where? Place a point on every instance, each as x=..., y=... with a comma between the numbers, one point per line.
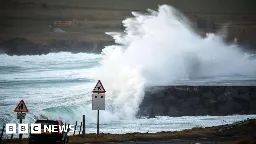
x=159, y=48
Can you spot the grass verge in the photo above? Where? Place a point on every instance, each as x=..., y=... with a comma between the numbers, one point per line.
x=239, y=133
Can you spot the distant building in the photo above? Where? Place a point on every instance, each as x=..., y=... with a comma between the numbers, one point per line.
x=65, y=23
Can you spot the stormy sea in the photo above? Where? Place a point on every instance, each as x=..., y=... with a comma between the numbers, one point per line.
x=158, y=48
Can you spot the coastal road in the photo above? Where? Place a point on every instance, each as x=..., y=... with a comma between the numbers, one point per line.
x=148, y=142
x=162, y=142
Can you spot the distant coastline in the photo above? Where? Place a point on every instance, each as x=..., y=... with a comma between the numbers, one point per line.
x=22, y=46
x=34, y=27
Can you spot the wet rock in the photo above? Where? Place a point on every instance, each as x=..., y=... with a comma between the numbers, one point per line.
x=181, y=88
x=206, y=89
x=208, y=95
x=194, y=94
x=173, y=112
x=189, y=112
x=181, y=94
x=179, y=102
x=213, y=112
x=141, y=112
x=24, y=46
x=229, y=108
x=170, y=99
x=243, y=89
x=245, y=96
x=232, y=92
x=158, y=110
x=186, y=109
x=201, y=112
x=238, y=107
x=199, y=106
x=209, y=103
x=219, y=90
x=146, y=110
x=193, y=101
x=253, y=107
x=185, y=106
x=253, y=95
x=223, y=98
x=186, y=101
x=160, y=95
x=151, y=113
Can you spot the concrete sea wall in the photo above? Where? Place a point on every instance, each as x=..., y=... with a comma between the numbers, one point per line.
x=198, y=101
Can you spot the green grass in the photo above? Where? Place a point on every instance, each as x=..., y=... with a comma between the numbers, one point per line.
x=242, y=129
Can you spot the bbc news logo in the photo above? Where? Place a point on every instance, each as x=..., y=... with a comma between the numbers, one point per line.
x=37, y=129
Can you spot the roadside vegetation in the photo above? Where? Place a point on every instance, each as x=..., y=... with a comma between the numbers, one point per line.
x=242, y=132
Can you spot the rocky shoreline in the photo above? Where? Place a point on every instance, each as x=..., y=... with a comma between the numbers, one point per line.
x=23, y=46
x=177, y=101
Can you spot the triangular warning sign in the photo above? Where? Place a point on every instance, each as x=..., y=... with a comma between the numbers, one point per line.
x=21, y=107
x=99, y=88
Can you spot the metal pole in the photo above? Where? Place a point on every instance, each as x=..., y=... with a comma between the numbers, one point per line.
x=75, y=128
x=80, y=127
x=83, y=124
x=2, y=133
x=20, y=135
x=98, y=120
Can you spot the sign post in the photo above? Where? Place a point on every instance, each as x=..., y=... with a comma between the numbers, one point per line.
x=98, y=101
x=21, y=107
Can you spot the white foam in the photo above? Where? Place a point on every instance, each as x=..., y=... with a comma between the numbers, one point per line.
x=161, y=48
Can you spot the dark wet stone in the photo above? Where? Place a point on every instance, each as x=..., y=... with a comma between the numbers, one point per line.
x=186, y=109
x=180, y=94
x=23, y=46
x=243, y=89
x=194, y=94
x=223, y=98
x=193, y=101
x=185, y=101
x=170, y=99
x=173, y=112
x=158, y=110
x=253, y=107
x=245, y=96
x=232, y=92
x=201, y=112
x=199, y=106
x=219, y=90
x=213, y=112
x=229, y=108
x=209, y=103
x=208, y=95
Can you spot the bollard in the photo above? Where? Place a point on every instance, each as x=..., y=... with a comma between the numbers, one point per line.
x=12, y=136
x=75, y=128
x=20, y=135
x=68, y=128
x=29, y=130
x=83, y=124
x=2, y=133
x=80, y=127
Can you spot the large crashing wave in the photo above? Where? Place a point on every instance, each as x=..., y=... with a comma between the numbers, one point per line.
x=160, y=48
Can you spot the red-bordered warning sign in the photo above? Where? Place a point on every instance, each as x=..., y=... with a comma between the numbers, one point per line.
x=21, y=107
x=99, y=88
